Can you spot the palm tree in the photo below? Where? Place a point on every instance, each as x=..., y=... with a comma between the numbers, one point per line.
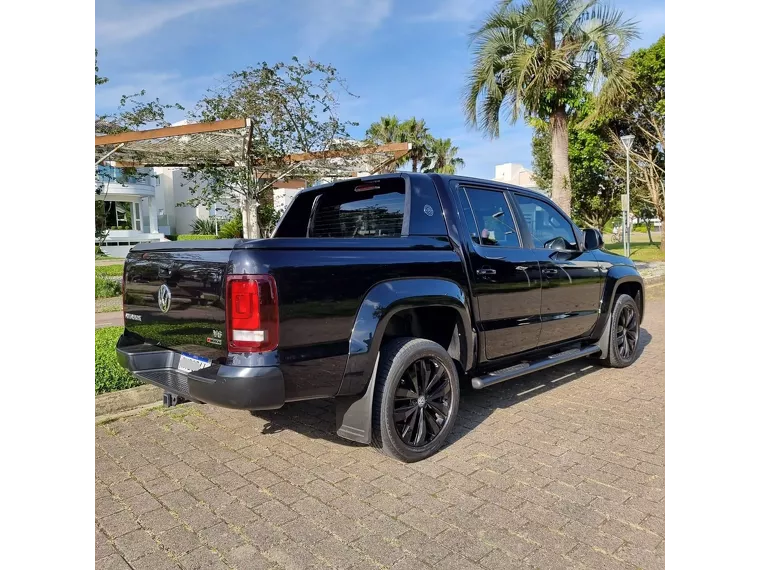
x=386, y=130
x=443, y=157
x=416, y=132
x=530, y=57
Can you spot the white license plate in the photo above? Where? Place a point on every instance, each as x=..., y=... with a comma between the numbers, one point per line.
x=191, y=362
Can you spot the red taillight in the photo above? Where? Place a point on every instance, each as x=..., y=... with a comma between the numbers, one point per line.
x=252, y=317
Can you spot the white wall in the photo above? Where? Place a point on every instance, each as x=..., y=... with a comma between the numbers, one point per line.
x=515, y=173
x=283, y=197
x=171, y=188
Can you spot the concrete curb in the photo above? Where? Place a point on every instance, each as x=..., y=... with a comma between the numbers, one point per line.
x=125, y=400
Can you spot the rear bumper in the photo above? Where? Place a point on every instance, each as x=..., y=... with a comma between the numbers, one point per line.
x=255, y=388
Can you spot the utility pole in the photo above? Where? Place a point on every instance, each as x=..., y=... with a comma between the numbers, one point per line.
x=627, y=141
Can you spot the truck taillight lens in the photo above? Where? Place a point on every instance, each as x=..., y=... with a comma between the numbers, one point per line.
x=252, y=317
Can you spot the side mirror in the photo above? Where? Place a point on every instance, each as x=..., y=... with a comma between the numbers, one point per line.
x=592, y=238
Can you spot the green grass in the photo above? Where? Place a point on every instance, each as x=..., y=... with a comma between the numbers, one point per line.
x=109, y=375
x=640, y=251
x=106, y=287
x=116, y=270
x=194, y=237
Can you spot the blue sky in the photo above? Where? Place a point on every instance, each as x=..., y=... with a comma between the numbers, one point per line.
x=403, y=57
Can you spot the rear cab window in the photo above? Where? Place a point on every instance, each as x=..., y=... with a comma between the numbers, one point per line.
x=366, y=211
x=390, y=207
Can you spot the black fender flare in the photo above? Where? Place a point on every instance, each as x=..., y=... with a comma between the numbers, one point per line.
x=378, y=307
x=616, y=276
x=354, y=399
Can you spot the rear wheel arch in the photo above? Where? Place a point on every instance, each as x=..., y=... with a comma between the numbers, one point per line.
x=431, y=308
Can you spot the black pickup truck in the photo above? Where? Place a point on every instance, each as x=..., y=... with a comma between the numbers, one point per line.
x=384, y=293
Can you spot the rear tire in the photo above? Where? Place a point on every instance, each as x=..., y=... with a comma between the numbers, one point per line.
x=416, y=399
x=624, y=333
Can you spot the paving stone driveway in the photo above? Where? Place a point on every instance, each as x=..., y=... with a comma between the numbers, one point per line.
x=562, y=469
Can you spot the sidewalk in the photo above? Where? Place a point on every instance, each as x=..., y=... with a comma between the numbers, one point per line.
x=114, y=319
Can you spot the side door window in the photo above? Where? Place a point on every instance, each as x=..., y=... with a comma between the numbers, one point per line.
x=489, y=219
x=547, y=226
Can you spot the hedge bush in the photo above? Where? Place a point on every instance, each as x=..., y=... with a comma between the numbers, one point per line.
x=109, y=270
x=193, y=237
x=106, y=287
x=109, y=375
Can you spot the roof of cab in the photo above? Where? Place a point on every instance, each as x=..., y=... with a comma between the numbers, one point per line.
x=445, y=178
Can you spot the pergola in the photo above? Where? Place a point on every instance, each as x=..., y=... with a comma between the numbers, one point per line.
x=227, y=142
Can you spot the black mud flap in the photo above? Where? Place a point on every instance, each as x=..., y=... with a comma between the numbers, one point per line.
x=353, y=414
x=604, y=340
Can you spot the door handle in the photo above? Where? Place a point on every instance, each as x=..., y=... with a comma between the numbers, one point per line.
x=549, y=271
x=486, y=271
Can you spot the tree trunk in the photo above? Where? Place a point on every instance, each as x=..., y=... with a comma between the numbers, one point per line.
x=250, y=219
x=662, y=234
x=561, y=191
x=649, y=231
x=414, y=164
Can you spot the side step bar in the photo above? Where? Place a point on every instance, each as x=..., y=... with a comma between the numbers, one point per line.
x=528, y=367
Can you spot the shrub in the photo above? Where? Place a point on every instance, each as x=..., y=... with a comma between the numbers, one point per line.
x=193, y=237
x=105, y=287
x=109, y=375
x=109, y=270
x=233, y=228
x=204, y=227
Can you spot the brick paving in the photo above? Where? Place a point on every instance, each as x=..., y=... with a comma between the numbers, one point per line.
x=561, y=469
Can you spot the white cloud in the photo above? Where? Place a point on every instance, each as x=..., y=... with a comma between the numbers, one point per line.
x=169, y=88
x=455, y=11
x=342, y=21
x=128, y=21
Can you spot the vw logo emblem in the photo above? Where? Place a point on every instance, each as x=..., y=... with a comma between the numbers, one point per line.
x=164, y=298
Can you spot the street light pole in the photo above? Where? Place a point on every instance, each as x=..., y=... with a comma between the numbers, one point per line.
x=627, y=141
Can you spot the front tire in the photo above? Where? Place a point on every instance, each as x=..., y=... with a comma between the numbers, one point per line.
x=416, y=399
x=624, y=333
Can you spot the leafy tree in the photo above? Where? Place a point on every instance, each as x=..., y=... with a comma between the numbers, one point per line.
x=98, y=79
x=234, y=227
x=443, y=157
x=642, y=114
x=530, y=56
x=268, y=217
x=593, y=174
x=134, y=112
x=292, y=108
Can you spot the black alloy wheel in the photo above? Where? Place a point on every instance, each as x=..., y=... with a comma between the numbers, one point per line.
x=627, y=333
x=422, y=402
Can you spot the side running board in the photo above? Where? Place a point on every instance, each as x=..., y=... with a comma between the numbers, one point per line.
x=528, y=367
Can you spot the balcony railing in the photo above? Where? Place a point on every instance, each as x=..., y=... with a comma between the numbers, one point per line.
x=109, y=174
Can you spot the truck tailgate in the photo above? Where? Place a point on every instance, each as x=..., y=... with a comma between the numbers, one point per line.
x=174, y=298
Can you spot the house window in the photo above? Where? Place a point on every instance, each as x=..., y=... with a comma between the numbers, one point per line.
x=137, y=216
x=118, y=215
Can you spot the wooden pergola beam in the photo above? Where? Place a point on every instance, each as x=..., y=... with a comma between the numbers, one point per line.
x=195, y=128
x=391, y=147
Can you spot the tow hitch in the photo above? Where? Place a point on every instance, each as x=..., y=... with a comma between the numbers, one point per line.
x=171, y=400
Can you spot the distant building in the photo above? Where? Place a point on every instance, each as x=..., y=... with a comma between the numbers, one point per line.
x=517, y=174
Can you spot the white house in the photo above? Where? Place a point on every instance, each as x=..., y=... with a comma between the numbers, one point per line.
x=517, y=174
x=143, y=208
